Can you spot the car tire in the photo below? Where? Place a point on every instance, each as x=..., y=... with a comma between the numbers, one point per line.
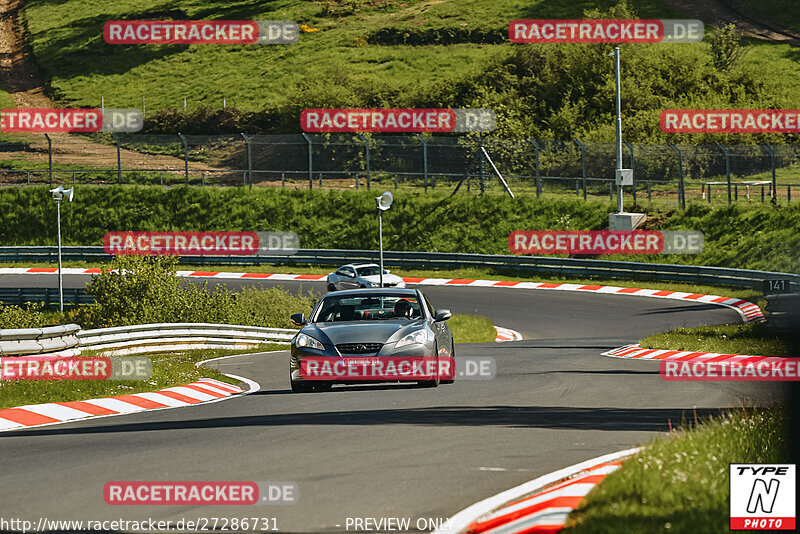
x=435, y=382
x=453, y=358
x=331, y=288
x=301, y=387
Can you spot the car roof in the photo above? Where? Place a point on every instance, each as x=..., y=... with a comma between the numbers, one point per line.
x=388, y=292
x=357, y=265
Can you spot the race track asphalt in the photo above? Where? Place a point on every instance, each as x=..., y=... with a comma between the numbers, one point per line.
x=394, y=450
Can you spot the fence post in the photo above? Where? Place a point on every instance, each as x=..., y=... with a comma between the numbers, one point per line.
x=772, y=165
x=366, y=155
x=310, y=162
x=185, y=157
x=482, y=166
x=583, y=164
x=681, y=190
x=727, y=169
x=50, y=157
x=633, y=169
x=788, y=193
x=424, y=160
x=162, y=177
x=119, y=160
x=249, y=159
x=538, y=174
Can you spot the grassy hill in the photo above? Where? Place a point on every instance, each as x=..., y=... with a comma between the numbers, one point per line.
x=550, y=91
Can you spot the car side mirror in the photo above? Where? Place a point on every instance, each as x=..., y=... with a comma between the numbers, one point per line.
x=298, y=319
x=441, y=315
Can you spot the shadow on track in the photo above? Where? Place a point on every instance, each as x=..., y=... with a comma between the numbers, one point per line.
x=554, y=417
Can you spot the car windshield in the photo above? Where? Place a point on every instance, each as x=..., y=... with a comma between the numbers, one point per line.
x=367, y=308
x=370, y=270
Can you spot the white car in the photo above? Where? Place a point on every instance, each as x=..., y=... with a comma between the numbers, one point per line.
x=354, y=276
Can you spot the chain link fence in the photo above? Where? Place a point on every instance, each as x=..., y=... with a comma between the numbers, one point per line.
x=674, y=174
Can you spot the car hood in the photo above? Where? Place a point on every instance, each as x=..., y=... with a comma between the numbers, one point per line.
x=362, y=331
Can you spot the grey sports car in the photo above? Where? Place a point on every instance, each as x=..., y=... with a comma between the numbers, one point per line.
x=356, y=275
x=371, y=335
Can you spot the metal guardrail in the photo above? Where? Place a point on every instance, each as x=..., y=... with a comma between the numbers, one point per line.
x=70, y=340
x=47, y=295
x=31, y=341
x=523, y=265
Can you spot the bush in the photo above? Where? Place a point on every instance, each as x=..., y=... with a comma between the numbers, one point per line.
x=145, y=289
x=29, y=316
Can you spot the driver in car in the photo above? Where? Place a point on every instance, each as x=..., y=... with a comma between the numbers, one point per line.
x=402, y=308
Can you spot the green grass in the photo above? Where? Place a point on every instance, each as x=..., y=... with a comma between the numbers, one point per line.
x=169, y=369
x=280, y=81
x=750, y=236
x=750, y=339
x=680, y=484
x=784, y=12
x=471, y=329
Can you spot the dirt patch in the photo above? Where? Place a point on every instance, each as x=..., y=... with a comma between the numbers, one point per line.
x=720, y=13
x=20, y=76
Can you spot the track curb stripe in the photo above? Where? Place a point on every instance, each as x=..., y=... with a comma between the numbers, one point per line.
x=749, y=312
x=541, y=505
x=636, y=352
x=506, y=334
x=34, y=415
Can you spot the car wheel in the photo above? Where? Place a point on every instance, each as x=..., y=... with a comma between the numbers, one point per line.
x=302, y=387
x=435, y=382
x=453, y=359
x=331, y=288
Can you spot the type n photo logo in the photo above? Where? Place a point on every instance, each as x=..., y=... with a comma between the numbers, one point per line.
x=762, y=496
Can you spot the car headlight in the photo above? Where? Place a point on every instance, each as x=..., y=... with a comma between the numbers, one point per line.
x=418, y=337
x=307, y=342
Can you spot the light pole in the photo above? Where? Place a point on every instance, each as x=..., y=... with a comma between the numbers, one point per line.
x=59, y=193
x=384, y=203
x=619, y=130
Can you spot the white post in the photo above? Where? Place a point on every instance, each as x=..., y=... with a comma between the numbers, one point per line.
x=619, y=128
x=60, y=280
x=380, y=241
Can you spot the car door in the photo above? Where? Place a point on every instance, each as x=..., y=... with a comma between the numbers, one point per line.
x=347, y=280
x=440, y=330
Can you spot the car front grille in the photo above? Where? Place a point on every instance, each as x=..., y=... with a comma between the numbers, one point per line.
x=359, y=348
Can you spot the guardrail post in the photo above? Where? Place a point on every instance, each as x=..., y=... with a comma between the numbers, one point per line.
x=727, y=169
x=119, y=159
x=772, y=166
x=681, y=190
x=538, y=174
x=49, y=157
x=185, y=157
x=633, y=169
x=366, y=155
x=310, y=162
x=249, y=159
x=788, y=193
x=424, y=160
x=583, y=165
